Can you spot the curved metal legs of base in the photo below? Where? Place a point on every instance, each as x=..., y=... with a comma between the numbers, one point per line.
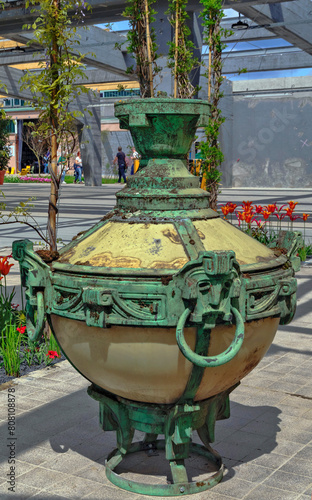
x=177, y=469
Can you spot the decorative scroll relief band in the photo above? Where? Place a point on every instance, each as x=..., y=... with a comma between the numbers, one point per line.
x=210, y=286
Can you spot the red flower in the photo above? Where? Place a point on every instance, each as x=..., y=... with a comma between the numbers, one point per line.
x=280, y=216
x=292, y=205
x=271, y=208
x=247, y=205
x=21, y=329
x=5, y=266
x=53, y=354
x=225, y=210
x=258, y=208
x=259, y=223
x=305, y=216
x=289, y=211
x=231, y=206
x=266, y=214
x=248, y=217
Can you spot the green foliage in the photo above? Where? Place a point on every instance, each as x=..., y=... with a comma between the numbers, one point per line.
x=6, y=313
x=211, y=153
x=54, y=87
x=4, y=140
x=137, y=39
x=261, y=234
x=181, y=58
x=304, y=252
x=10, y=349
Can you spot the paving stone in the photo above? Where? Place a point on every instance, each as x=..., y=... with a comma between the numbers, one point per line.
x=47, y=496
x=309, y=491
x=305, y=453
x=264, y=492
x=287, y=481
x=22, y=492
x=234, y=487
x=36, y=455
x=253, y=472
x=269, y=460
x=74, y=487
x=298, y=466
x=285, y=447
x=111, y=493
x=42, y=477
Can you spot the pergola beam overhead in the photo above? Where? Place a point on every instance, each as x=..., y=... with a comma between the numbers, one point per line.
x=293, y=20
x=14, y=15
x=273, y=59
x=248, y=35
x=10, y=78
x=97, y=44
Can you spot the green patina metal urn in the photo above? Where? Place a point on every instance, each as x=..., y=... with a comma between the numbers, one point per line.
x=162, y=305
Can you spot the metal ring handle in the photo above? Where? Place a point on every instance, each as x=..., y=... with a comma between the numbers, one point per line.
x=34, y=331
x=219, y=359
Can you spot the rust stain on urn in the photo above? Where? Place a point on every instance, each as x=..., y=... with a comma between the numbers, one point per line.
x=107, y=260
x=172, y=235
x=174, y=264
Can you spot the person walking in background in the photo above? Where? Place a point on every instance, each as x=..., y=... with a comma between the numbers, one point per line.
x=46, y=159
x=78, y=168
x=134, y=156
x=121, y=159
x=61, y=164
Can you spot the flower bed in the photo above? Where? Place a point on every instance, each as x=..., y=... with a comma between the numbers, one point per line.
x=26, y=178
x=19, y=355
x=264, y=222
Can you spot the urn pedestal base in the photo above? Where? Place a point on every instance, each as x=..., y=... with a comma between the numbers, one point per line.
x=176, y=422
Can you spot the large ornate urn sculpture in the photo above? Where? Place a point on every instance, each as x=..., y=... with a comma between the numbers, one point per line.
x=162, y=305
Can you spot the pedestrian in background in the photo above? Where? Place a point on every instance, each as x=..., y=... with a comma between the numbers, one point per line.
x=134, y=156
x=122, y=167
x=78, y=168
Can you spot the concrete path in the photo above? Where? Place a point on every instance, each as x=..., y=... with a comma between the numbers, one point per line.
x=266, y=444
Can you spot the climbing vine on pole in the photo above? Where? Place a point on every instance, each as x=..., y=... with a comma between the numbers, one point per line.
x=181, y=58
x=141, y=43
x=211, y=153
x=54, y=88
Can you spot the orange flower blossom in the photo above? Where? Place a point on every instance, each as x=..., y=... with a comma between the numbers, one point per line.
x=305, y=216
x=231, y=206
x=271, y=208
x=247, y=205
x=266, y=214
x=289, y=211
x=225, y=210
x=292, y=204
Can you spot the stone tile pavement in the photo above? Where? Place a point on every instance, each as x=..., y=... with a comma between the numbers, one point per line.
x=266, y=444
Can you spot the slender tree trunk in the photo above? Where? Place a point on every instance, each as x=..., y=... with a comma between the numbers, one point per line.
x=176, y=41
x=148, y=46
x=52, y=212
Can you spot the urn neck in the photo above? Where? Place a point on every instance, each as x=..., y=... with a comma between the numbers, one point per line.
x=163, y=185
